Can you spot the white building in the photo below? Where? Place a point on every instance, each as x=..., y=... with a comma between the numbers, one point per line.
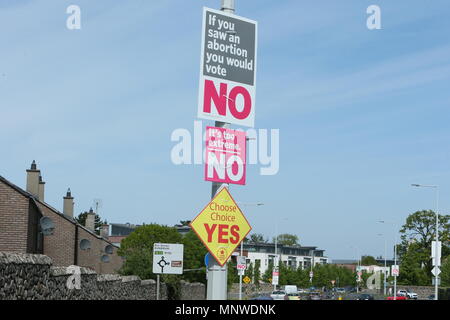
x=292, y=256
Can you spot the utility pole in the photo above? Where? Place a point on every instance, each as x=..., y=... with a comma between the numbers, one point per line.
x=217, y=275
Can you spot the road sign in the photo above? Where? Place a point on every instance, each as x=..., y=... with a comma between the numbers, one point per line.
x=225, y=155
x=221, y=226
x=228, y=68
x=436, y=257
x=167, y=258
x=247, y=279
x=436, y=271
x=207, y=257
x=333, y=282
x=395, y=271
x=433, y=281
x=241, y=263
x=311, y=274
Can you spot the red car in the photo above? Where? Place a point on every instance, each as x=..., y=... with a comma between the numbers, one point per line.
x=397, y=298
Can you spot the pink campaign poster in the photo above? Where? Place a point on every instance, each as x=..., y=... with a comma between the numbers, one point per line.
x=225, y=156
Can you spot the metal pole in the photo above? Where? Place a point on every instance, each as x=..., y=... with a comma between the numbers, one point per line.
x=217, y=275
x=384, y=277
x=436, y=277
x=240, y=273
x=395, y=264
x=275, y=262
x=157, y=287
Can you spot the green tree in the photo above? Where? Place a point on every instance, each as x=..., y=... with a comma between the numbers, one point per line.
x=194, y=257
x=445, y=272
x=287, y=239
x=249, y=271
x=411, y=270
x=257, y=272
x=257, y=238
x=232, y=275
x=268, y=273
x=417, y=234
x=137, y=248
x=368, y=261
x=81, y=219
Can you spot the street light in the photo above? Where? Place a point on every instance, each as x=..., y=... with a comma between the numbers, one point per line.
x=358, y=265
x=436, y=277
x=395, y=257
x=276, y=262
x=384, y=271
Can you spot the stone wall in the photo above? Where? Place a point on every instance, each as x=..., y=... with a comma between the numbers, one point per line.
x=32, y=277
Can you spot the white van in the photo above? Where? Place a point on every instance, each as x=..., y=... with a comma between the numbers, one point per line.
x=290, y=289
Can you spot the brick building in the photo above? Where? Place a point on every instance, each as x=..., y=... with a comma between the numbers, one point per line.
x=29, y=225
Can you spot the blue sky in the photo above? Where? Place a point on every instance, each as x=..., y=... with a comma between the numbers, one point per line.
x=362, y=114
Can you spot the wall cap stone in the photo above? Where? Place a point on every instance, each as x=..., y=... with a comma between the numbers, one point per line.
x=130, y=278
x=148, y=282
x=64, y=271
x=109, y=277
x=24, y=258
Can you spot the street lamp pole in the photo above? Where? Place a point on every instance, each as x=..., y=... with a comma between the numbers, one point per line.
x=436, y=277
x=384, y=270
x=395, y=258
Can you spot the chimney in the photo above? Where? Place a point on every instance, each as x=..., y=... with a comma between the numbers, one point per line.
x=68, y=204
x=41, y=189
x=104, y=231
x=90, y=220
x=33, y=180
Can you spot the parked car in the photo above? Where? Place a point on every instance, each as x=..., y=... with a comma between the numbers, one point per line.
x=294, y=296
x=431, y=297
x=279, y=295
x=411, y=295
x=314, y=296
x=262, y=298
x=340, y=290
x=290, y=289
x=301, y=290
x=402, y=293
x=397, y=298
x=365, y=296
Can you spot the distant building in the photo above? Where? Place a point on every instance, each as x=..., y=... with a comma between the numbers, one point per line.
x=291, y=256
x=352, y=264
x=119, y=231
x=30, y=225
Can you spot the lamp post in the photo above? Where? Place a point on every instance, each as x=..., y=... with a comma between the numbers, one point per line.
x=276, y=262
x=436, y=277
x=358, y=265
x=395, y=256
x=384, y=271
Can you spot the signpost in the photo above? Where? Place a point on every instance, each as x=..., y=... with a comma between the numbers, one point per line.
x=167, y=259
x=225, y=155
x=228, y=68
x=227, y=95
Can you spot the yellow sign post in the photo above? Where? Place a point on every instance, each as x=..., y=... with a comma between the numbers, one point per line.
x=221, y=226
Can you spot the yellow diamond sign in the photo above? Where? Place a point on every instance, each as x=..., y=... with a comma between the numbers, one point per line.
x=221, y=226
x=246, y=279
